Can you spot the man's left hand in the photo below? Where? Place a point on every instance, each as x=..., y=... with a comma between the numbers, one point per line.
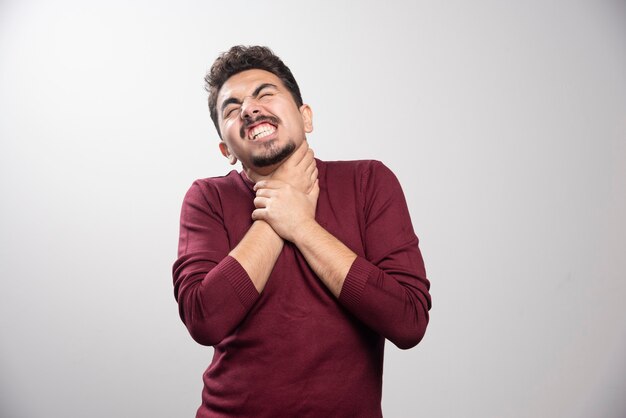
x=284, y=207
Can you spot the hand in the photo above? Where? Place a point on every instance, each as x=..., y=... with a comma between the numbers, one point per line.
x=299, y=170
x=285, y=208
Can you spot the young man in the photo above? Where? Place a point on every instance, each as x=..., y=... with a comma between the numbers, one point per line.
x=295, y=270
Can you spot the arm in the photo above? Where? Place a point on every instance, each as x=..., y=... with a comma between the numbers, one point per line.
x=389, y=293
x=214, y=285
x=257, y=253
x=328, y=257
x=213, y=290
x=387, y=289
x=259, y=249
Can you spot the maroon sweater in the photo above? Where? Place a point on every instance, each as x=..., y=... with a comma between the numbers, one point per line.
x=295, y=350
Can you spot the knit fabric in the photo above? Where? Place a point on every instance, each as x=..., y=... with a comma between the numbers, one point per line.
x=295, y=350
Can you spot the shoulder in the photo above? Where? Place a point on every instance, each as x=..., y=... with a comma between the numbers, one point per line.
x=366, y=172
x=229, y=180
x=353, y=165
x=215, y=188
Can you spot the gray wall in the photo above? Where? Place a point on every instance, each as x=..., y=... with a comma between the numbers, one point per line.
x=505, y=122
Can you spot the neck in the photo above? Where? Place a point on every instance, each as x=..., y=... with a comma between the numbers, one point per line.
x=260, y=173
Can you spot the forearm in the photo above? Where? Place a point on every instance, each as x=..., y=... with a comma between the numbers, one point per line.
x=396, y=306
x=216, y=285
x=329, y=258
x=386, y=286
x=257, y=252
x=212, y=304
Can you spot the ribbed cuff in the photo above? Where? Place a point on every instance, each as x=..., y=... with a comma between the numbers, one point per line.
x=240, y=281
x=355, y=282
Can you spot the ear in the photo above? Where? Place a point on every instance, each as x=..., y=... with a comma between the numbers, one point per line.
x=226, y=153
x=307, y=118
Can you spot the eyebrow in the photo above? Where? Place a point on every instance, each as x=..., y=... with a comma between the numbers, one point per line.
x=255, y=93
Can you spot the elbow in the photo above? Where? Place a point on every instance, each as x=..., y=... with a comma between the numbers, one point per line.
x=202, y=329
x=405, y=342
x=410, y=336
x=203, y=324
x=413, y=327
x=203, y=334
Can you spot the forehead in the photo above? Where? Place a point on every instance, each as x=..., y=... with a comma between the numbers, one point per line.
x=243, y=84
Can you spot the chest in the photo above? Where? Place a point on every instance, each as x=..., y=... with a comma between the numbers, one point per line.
x=339, y=211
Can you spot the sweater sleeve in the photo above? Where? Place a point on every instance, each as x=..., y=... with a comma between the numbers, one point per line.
x=213, y=291
x=387, y=289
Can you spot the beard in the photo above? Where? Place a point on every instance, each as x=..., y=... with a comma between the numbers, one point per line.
x=273, y=155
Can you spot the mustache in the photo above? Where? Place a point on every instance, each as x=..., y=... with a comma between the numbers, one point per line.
x=249, y=122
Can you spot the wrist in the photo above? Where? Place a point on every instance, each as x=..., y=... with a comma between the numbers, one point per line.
x=305, y=230
x=266, y=229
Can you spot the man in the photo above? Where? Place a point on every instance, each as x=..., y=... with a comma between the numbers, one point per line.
x=295, y=270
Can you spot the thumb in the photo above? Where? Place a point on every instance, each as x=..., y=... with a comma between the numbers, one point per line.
x=315, y=190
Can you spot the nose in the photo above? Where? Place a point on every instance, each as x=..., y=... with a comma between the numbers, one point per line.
x=250, y=108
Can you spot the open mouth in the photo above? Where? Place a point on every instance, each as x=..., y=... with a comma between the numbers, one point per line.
x=261, y=131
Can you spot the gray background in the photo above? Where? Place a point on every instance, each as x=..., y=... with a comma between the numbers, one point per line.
x=504, y=121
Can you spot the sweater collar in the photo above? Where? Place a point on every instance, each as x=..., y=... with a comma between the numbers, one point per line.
x=321, y=169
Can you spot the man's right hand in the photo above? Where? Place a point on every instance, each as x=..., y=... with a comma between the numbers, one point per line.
x=299, y=170
x=260, y=247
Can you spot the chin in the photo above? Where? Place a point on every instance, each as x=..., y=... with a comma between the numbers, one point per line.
x=274, y=157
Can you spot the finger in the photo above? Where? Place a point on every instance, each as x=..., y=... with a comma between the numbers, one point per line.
x=301, y=153
x=312, y=177
x=265, y=193
x=315, y=191
x=259, y=214
x=310, y=169
x=260, y=202
x=308, y=158
x=268, y=184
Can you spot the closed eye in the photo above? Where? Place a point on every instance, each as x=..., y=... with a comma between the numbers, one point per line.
x=230, y=111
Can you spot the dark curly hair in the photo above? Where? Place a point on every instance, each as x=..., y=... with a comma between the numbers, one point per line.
x=240, y=58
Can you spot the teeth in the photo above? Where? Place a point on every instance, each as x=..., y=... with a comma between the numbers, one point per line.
x=261, y=131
